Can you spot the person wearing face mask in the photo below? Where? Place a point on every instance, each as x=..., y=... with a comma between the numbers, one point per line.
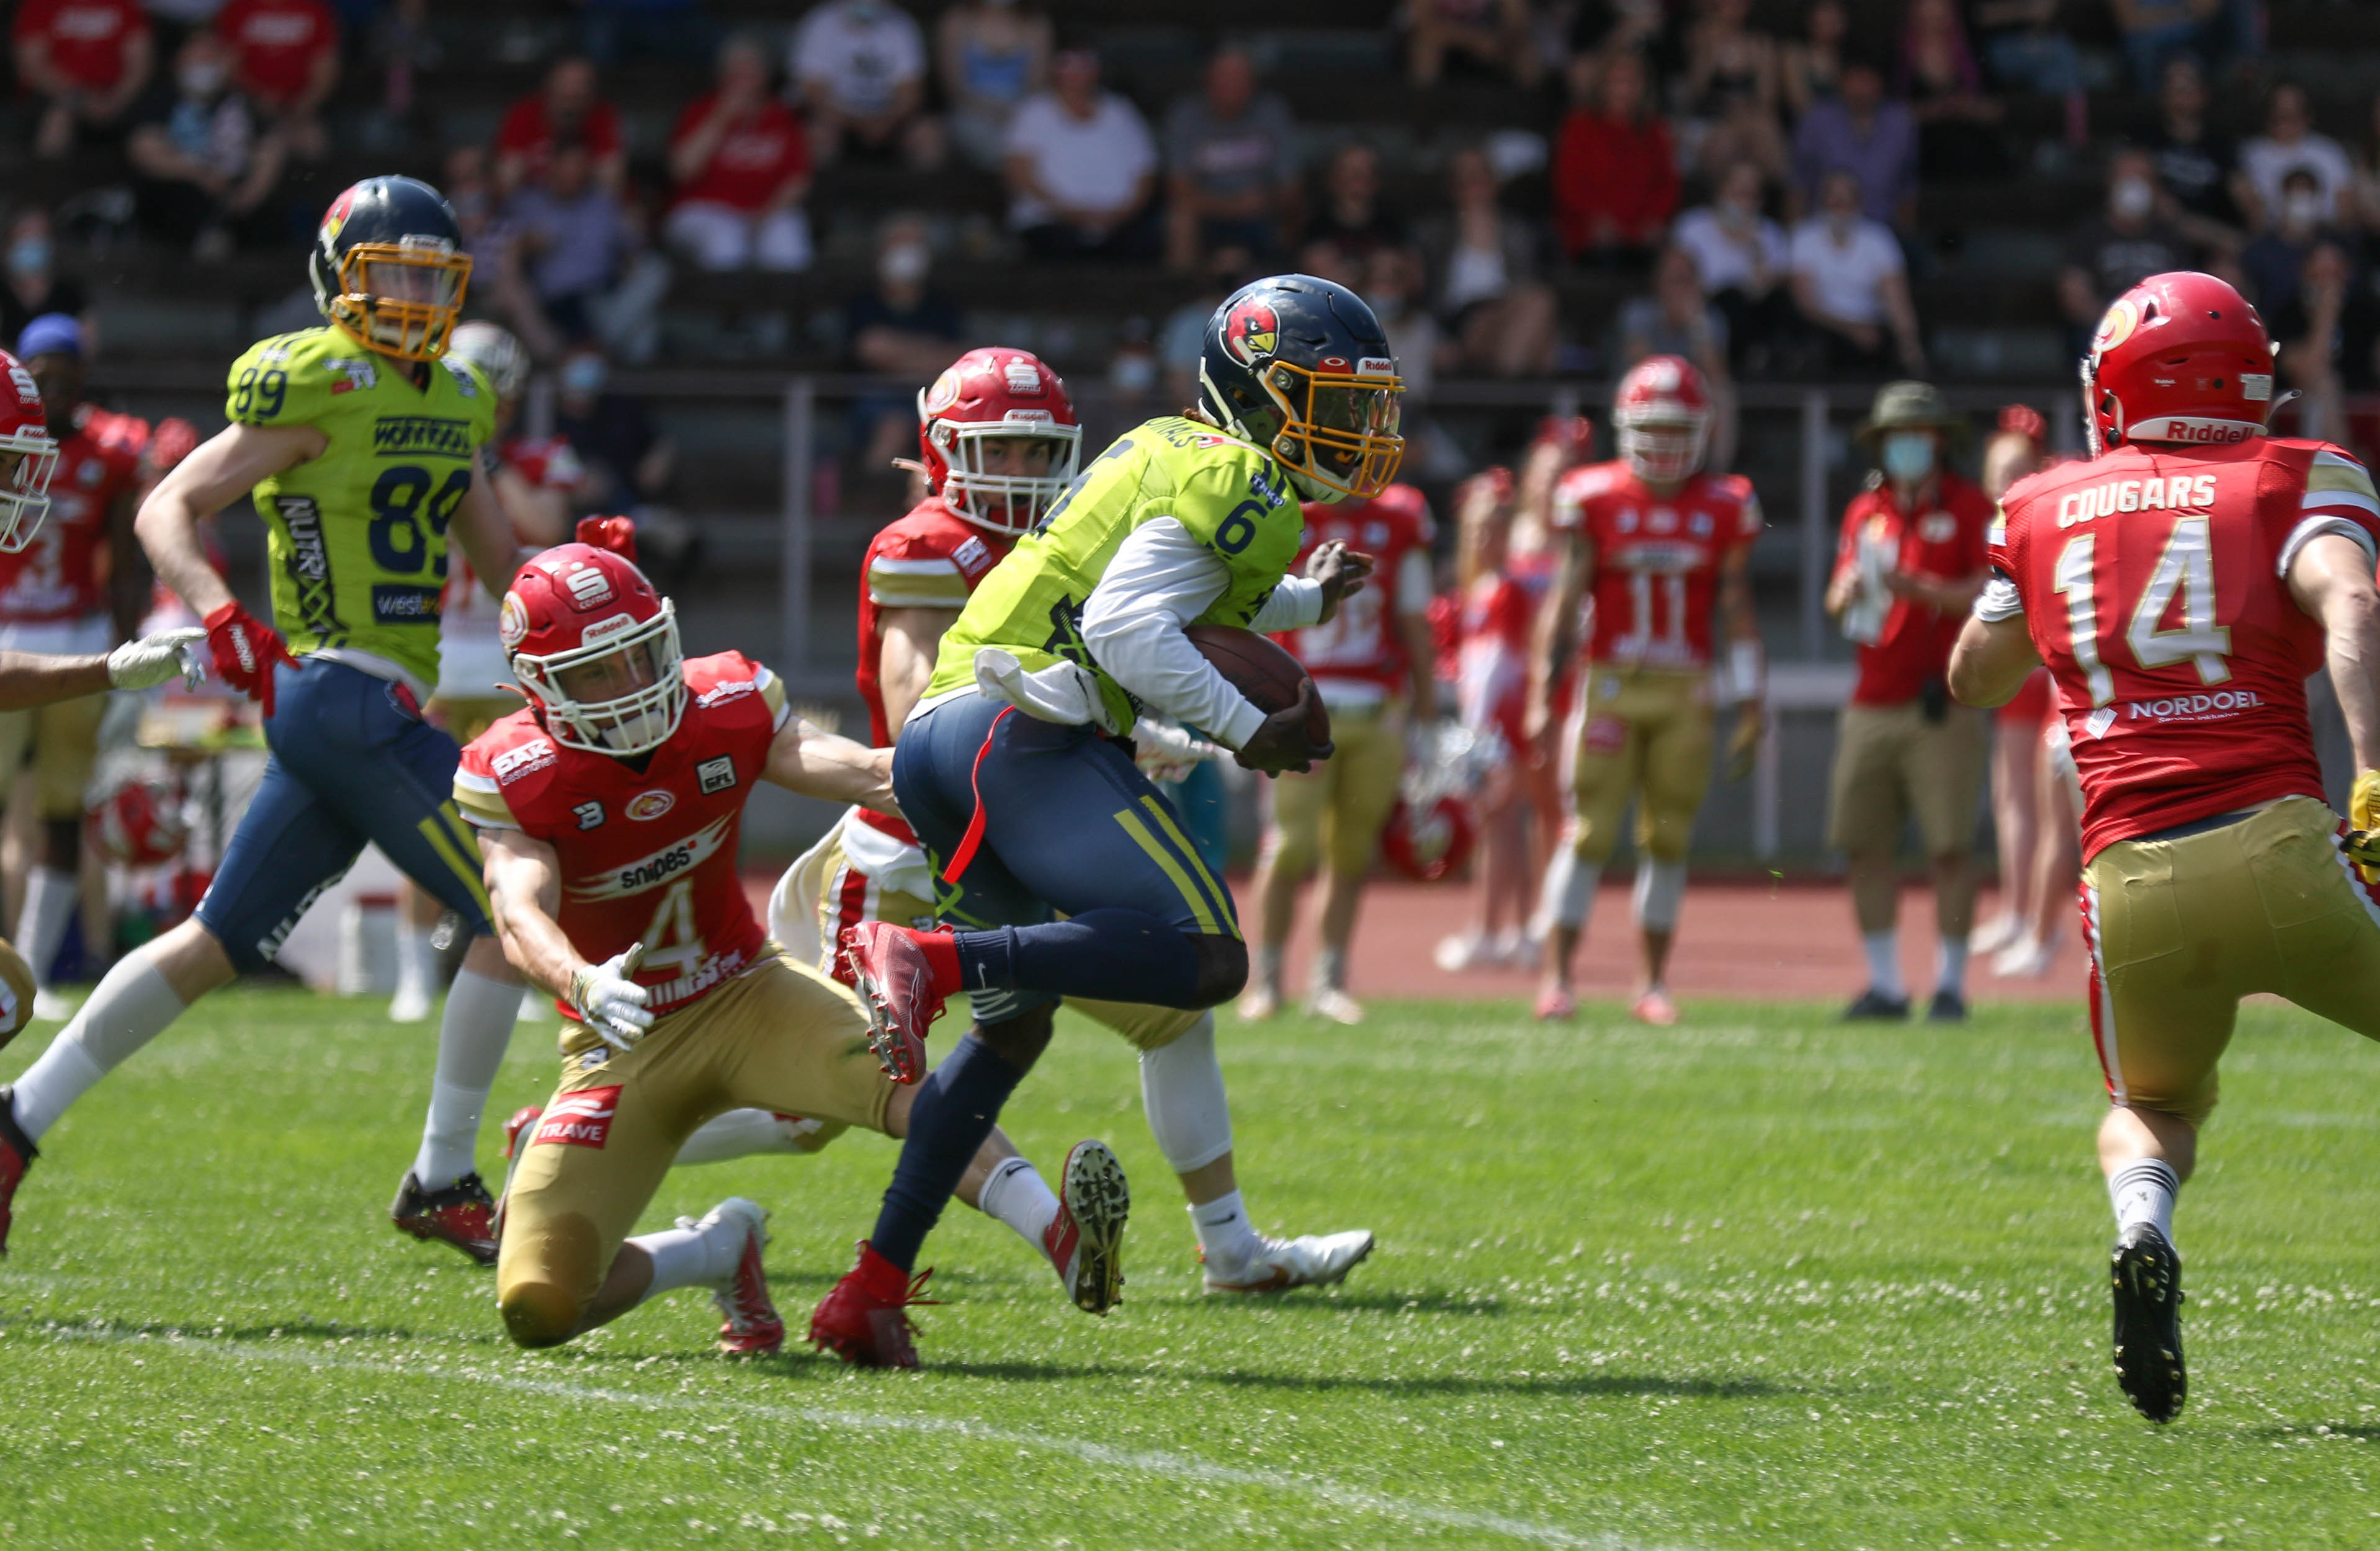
x=206, y=165
x=2115, y=250
x=2274, y=260
x=1739, y=263
x=2290, y=143
x=1910, y=563
x=1851, y=284
x=627, y=463
x=901, y=328
x=30, y=283
x=741, y=166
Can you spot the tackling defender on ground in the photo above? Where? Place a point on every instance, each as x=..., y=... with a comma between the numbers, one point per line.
x=2181, y=585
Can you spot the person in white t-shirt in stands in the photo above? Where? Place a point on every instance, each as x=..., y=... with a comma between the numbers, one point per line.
x=1081, y=165
x=2290, y=141
x=1852, y=286
x=741, y=165
x=1740, y=261
x=859, y=71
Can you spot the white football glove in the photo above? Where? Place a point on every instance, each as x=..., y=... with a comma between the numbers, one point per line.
x=609, y=999
x=1164, y=749
x=153, y=659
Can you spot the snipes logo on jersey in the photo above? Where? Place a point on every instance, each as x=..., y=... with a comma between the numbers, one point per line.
x=578, y=1120
x=651, y=872
x=426, y=434
x=1251, y=332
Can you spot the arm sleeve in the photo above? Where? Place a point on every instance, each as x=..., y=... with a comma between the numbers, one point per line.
x=1413, y=589
x=1999, y=601
x=1160, y=580
x=477, y=793
x=1293, y=605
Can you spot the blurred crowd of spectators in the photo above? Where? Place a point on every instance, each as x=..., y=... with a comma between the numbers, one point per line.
x=1757, y=192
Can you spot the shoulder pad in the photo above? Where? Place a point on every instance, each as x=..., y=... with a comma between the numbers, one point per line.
x=728, y=681
x=504, y=771
x=291, y=379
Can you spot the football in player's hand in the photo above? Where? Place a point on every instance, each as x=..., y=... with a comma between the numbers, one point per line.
x=1258, y=668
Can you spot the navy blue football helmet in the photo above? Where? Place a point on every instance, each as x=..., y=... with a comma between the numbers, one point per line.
x=388, y=267
x=1300, y=367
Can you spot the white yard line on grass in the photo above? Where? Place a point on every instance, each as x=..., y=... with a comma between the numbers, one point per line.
x=1180, y=1467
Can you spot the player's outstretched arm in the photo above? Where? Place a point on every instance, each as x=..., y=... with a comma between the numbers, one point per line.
x=225, y=468
x=1554, y=640
x=1990, y=664
x=524, y=882
x=2330, y=578
x=818, y=763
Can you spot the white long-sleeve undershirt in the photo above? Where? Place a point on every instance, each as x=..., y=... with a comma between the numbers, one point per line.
x=1160, y=580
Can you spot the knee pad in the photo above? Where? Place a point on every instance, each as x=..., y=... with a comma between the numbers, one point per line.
x=1181, y=1092
x=1660, y=887
x=538, y=1314
x=1019, y=1041
x=1223, y=969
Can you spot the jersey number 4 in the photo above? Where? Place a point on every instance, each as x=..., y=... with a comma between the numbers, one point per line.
x=2185, y=570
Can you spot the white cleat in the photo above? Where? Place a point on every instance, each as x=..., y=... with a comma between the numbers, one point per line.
x=1994, y=935
x=410, y=1005
x=1334, y=1005
x=1258, y=1003
x=53, y=1007
x=1460, y=952
x=749, y=1325
x=2025, y=958
x=1317, y=1260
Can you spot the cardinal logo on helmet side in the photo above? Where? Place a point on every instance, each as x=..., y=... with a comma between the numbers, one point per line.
x=1251, y=332
x=2117, y=326
x=337, y=216
x=512, y=622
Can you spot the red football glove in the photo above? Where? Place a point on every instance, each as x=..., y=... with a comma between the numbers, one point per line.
x=245, y=650
x=616, y=534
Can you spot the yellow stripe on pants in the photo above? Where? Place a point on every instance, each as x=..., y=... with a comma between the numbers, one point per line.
x=1199, y=910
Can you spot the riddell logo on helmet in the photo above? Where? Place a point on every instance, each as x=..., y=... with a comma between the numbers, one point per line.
x=578, y=1120
x=2194, y=429
x=1251, y=332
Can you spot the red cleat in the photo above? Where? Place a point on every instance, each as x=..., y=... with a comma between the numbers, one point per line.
x=1655, y=1008
x=750, y=1327
x=1556, y=1005
x=896, y=984
x=864, y=1318
x=17, y=1155
x=462, y=1215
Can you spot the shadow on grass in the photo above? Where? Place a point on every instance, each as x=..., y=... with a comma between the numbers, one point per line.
x=1419, y=1384
x=2365, y=1431
x=293, y=1331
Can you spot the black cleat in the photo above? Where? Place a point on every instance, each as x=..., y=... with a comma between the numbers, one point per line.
x=1874, y=1006
x=17, y=1155
x=462, y=1215
x=1949, y=1007
x=2146, y=1275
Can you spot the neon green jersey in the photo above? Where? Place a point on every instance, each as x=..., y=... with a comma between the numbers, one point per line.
x=358, y=536
x=1231, y=496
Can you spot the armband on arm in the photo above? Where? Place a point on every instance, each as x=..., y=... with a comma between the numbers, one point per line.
x=1747, y=673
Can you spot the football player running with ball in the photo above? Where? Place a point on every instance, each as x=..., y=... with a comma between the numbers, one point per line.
x=2180, y=585
x=357, y=440
x=1651, y=539
x=609, y=810
x=1010, y=766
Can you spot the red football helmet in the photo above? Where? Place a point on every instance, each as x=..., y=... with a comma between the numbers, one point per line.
x=138, y=825
x=2180, y=357
x=1431, y=841
x=595, y=647
x=27, y=456
x=989, y=394
x=1663, y=415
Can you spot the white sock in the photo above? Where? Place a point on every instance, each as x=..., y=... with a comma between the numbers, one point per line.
x=1331, y=970
x=49, y=900
x=1950, y=966
x=1224, y=1232
x=2142, y=1191
x=1267, y=967
x=417, y=959
x=742, y=1134
x=471, y=1039
x=695, y=1257
x=1568, y=897
x=131, y=1006
x=1883, y=949
x=536, y=1005
x=1017, y=1195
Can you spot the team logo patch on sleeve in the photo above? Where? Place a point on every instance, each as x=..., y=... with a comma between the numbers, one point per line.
x=716, y=775
x=1251, y=332
x=578, y=1120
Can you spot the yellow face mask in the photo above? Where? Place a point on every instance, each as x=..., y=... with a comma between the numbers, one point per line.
x=401, y=298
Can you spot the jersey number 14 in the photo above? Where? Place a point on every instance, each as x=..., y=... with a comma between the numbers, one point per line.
x=2185, y=570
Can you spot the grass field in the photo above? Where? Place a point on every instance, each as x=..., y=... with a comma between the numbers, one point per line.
x=1758, y=1281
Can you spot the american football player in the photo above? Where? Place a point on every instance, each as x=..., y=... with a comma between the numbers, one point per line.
x=2181, y=584
x=1374, y=665
x=77, y=588
x=997, y=437
x=1009, y=765
x=608, y=809
x=1651, y=539
x=359, y=442
x=533, y=478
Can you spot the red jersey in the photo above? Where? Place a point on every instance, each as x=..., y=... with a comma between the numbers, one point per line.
x=2151, y=583
x=1359, y=657
x=1492, y=682
x=62, y=574
x=1944, y=543
x=1656, y=559
x=277, y=43
x=645, y=856
x=526, y=131
x=931, y=558
x=754, y=157
x=88, y=39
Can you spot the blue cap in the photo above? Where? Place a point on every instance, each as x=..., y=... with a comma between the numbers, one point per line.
x=52, y=334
